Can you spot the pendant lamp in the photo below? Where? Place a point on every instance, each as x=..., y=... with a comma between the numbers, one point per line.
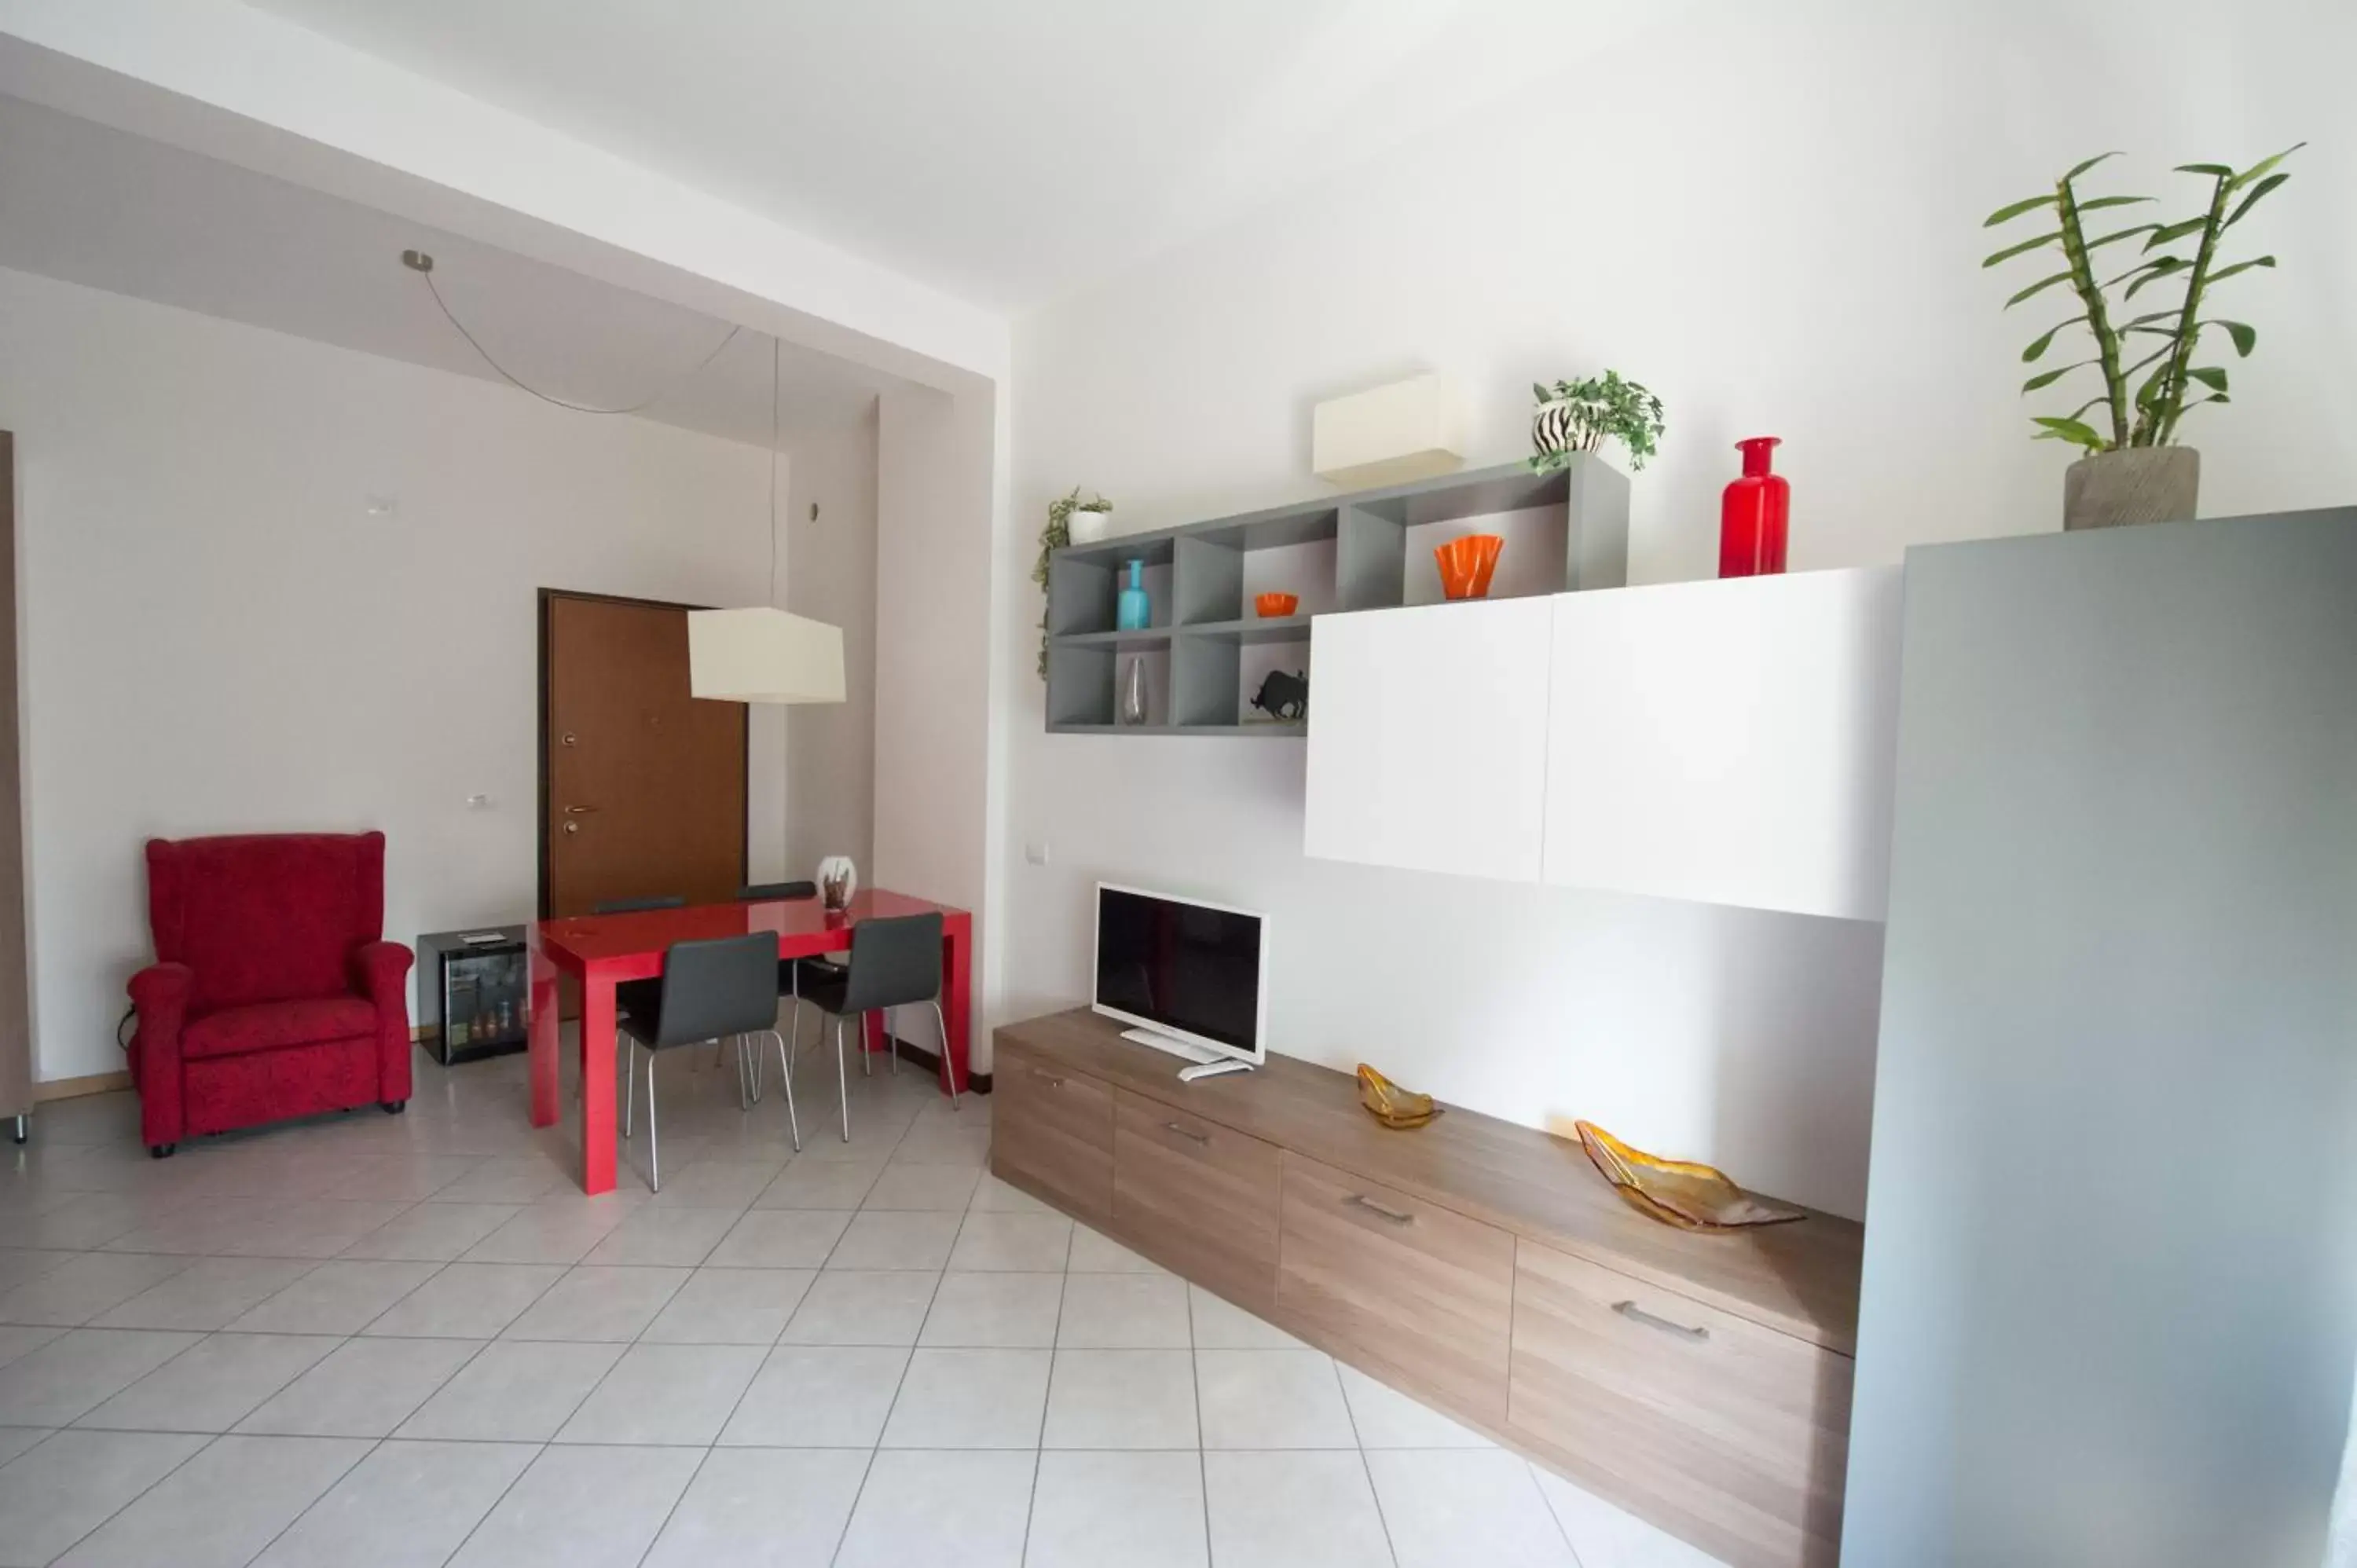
x=762, y=653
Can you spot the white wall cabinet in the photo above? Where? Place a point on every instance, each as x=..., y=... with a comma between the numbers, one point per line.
x=1429, y=737
x=1727, y=742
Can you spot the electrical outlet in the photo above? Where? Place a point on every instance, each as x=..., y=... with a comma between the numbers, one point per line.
x=1036, y=851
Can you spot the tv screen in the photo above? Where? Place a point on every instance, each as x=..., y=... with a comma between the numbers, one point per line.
x=1188, y=968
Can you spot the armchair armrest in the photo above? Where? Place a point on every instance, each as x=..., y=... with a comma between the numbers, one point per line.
x=160, y=993
x=381, y=971
x=378, y=970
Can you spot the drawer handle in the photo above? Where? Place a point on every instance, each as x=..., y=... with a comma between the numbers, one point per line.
x=1635, y=1314
x=1371, y=1207
x=1048, y=1079
x=1202, y=1138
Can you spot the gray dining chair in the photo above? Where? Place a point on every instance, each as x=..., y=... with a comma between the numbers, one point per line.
x=895, y=962
x=712, y=990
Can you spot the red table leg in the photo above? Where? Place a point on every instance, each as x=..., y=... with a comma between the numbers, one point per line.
x=957, y=965
x=596, y=1084
x=544, y=1092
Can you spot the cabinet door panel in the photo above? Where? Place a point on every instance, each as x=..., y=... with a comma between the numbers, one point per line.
x=1729, y=742
x=1427, y=737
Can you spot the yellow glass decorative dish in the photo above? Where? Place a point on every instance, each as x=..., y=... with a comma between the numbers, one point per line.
x=1390, y=1104
x=1690, y=1197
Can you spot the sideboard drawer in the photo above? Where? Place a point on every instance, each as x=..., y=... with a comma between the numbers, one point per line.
x=1198, y=1197
x=1421, y=1289
x=1681, y=1411
x=1052, y=1130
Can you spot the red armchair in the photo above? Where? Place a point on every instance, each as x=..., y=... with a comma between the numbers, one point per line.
x=272, y=996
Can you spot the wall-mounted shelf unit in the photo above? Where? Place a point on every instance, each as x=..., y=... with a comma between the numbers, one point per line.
x=1204, y=619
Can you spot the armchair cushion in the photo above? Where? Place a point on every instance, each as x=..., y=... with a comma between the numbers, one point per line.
x=273, y=1026
x=266, y=916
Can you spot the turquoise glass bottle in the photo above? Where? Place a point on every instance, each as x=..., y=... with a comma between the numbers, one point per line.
x=1133, y=612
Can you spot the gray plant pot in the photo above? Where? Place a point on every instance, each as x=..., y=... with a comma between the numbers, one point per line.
x=2136, y=484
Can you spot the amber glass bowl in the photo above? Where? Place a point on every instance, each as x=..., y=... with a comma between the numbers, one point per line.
x=1390, y=1104
x=1467, y=564
x=1272, y=606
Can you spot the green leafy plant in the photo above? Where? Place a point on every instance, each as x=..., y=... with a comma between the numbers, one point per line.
x=1580, y=416
x=1052, y=537
x=2139, y=412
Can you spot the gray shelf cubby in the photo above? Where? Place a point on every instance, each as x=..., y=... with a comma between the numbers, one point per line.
x=1203, y=619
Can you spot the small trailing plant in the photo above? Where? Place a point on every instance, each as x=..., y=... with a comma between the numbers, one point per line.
x=2145, y=394
x=1580, y=416
x=1052, y=537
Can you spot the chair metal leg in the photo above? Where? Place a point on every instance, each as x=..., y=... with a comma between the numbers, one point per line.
x=948, y=1071
x=794, y=1032
x=866, y=1062
x=655, y=1164
x=630, y=1082
x=892, y=1039
x=744, y=1075
x=792, y=1125
x=842, y=1082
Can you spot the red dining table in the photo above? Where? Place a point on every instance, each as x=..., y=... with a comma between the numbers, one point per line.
x=600, y=950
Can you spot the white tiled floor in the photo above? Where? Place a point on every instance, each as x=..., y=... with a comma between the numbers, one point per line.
x=403, y=1342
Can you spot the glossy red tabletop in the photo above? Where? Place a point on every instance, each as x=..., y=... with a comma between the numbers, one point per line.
x=602, y=939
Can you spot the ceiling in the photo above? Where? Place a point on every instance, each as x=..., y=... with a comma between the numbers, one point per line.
x=1004, y=152
x=103, y=208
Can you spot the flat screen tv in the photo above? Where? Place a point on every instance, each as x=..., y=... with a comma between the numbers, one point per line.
x=1188, y=974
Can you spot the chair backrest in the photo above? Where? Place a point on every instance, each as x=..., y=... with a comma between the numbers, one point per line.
x=762, y=891
x=634, y=906
x=726, y=985
x=894, y=961
x=266, y=916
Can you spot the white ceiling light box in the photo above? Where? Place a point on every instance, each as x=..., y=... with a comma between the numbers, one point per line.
x=763, y=654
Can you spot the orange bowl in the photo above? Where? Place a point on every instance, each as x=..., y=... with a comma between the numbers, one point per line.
x=1272, y=606
x=1467, y=564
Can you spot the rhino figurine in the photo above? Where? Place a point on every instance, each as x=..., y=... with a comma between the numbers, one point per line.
x=1284, y=696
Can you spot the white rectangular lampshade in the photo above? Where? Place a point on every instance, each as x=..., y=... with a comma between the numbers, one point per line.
x=763, y=655
x=1409, y=430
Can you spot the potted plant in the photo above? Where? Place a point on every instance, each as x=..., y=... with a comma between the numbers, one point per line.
x=1057, y=534
x=2134, y=471
x=1579, y=416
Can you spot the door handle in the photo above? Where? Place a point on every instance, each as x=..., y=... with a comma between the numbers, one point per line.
x=1635, y=1314
x=1202, y=1138
x=1371, y=1207
x=578, y=810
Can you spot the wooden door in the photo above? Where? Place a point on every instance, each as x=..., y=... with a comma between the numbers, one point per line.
x=16, y=1007
x=643, y=787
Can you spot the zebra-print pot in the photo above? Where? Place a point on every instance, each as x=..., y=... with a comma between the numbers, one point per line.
x=1551, y=426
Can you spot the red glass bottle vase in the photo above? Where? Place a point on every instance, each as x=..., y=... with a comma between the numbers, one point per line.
x=1753, y=514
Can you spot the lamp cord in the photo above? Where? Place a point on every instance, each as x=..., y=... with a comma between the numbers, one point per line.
x=660, y=392
x=776, y=349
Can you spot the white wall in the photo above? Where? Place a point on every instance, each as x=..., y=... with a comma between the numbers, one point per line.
x=1770, y=216
x=939, y=526
x=219, y=638
x=831, y=576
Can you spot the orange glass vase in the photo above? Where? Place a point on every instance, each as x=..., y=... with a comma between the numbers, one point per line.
x=1467, y=564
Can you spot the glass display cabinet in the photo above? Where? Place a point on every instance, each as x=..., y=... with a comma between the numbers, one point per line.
x=474, y=993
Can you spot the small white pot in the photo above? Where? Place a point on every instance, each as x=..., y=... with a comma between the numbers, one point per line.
x=1088, y=527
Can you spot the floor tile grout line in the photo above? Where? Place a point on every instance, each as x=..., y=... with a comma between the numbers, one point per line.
x=513, y=1482
x=209, y=1438
x=1365, y=1467
x=304, y=1511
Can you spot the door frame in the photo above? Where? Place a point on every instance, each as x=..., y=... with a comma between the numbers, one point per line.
x=744, y=736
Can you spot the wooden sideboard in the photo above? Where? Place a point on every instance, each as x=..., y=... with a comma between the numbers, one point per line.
x=1701, y=1382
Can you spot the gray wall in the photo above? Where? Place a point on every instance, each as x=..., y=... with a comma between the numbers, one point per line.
x=2110, y=1303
